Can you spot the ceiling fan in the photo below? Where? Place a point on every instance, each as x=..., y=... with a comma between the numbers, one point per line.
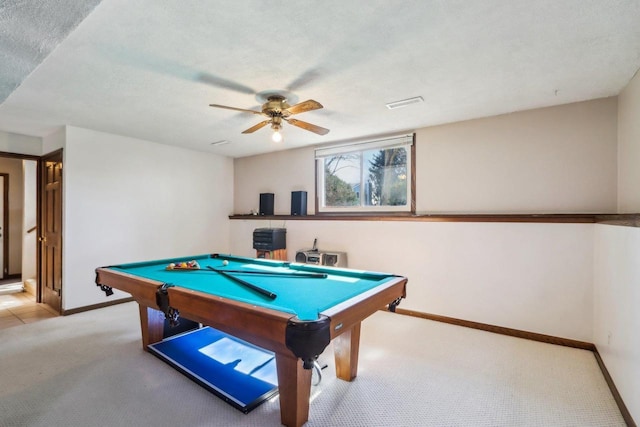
x=277, y=109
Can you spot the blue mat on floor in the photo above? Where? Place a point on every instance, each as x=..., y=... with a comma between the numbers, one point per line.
x=240, y=373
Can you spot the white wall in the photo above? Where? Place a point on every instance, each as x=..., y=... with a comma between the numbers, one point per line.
x=616, y=267
x=129, y=200
x=29, y=240
x=533, y=277
x=616, y=315
x=20, y=144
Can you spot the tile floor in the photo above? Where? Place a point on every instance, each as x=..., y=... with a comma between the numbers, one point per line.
x=20, y=308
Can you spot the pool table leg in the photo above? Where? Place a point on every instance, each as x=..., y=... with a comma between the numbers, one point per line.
x=152, y=325
x=294, y=386
x=345, y=349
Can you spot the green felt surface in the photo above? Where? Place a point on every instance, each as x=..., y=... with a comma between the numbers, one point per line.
x=304, y=297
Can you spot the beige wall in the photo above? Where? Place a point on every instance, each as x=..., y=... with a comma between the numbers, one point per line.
x=629, y=148
x=14, y=168
x=279, y=173
x=534, y=277
x=550, y=160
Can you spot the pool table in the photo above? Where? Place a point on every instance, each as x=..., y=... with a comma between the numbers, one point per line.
x=292, y=309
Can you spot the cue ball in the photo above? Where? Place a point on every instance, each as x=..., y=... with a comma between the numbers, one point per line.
x=225, y=262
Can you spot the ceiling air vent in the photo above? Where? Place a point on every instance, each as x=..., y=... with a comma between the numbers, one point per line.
x=223, y=142
x=404, y=102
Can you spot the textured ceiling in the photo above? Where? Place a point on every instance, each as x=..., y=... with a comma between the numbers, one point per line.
x=150, y=68
x=29, y=31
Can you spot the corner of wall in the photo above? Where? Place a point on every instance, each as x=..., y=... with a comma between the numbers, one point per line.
x=628, y=144
x=54, y=141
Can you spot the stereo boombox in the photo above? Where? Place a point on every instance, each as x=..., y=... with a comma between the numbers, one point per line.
x=318, y=257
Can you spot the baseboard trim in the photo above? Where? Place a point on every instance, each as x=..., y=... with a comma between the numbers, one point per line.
x=501, y=330
x=549, y=339
x=626, y=415
x=95, y=306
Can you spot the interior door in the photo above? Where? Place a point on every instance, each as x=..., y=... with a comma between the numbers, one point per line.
x=51, y=230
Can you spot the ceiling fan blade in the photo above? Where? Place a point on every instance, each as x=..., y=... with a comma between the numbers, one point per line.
x=308, y=126
x=258, y=126
x=234, y=108
x=305, y=106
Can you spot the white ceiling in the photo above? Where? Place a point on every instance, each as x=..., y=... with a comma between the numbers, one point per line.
x=150, y=68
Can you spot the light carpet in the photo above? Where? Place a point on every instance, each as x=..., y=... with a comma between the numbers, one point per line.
x=89, y=369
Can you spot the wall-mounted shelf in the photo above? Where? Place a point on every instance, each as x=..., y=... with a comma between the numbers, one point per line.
x=628, y=220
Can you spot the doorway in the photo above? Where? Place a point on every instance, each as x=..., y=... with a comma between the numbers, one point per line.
x=17, y=203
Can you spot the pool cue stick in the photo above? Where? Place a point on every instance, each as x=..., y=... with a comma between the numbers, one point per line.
x=251, y=286
x=284, y=274
x=280, y=273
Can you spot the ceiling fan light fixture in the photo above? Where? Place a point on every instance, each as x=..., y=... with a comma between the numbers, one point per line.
x=276, y=125
x=276, y=109
x=404, y=102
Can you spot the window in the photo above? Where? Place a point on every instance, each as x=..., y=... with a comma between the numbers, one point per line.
x=372, y=176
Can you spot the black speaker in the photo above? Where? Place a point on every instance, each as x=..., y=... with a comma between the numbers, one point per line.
x=298, y=203
x=266, y=203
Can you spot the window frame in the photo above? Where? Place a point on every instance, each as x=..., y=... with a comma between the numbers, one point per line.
x=406, y=140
